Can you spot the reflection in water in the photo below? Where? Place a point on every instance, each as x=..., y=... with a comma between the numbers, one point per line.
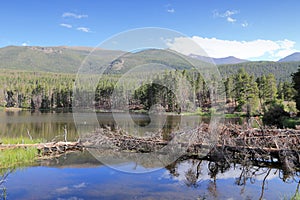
x=40, y=125
x=80, y=176
x=3, y=176
x=261, y=180
x=50, y=126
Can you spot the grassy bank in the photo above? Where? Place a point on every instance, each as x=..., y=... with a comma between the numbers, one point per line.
x=18, y=157
x=11, y=158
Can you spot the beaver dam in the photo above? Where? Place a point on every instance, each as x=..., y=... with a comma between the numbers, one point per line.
x=232, y=143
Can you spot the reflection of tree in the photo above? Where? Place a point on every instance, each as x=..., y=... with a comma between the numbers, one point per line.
x=297, y=193
x=288, y=173
x=43, y=127
x=215, y=168
x=193, y=173
x=250, y=173
x=263, y=185
x=3, y=176
x=212, y=188
x=218, y=167
x=172, y=168
x=191, y=178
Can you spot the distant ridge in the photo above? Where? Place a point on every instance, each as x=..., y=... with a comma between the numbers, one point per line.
x=60, y=59
x=291, y=58
x=68, y=59
x=219, y=61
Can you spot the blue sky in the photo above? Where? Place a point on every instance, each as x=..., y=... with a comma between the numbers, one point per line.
x=256, y=29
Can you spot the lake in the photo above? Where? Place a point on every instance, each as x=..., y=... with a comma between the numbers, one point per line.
x=80, y=176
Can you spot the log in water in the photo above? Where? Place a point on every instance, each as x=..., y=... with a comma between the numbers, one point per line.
x=49, y=148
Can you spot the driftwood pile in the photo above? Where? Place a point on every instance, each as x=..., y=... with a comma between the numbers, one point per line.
x=119, y=140
x=261, y=146
x=232, y=142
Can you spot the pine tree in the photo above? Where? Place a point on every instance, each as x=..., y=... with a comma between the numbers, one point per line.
x=296, y=82
x=246, y=92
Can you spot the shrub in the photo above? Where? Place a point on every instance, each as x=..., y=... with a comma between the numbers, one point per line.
x=275, y=116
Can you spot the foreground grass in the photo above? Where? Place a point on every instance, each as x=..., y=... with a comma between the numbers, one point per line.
x=19, y=140
x=18, y=157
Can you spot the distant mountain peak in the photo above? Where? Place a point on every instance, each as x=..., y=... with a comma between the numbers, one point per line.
x=291, y=58
x=219, y=61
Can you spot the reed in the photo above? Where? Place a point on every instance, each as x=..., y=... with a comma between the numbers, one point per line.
x=17, y=157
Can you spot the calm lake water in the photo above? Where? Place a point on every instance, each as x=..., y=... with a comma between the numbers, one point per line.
x=49, y=126
x=80, y=176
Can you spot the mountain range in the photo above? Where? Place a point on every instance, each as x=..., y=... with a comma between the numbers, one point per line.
x=291, y=58
x=233, y=60
x=219, y=61
x=65, y=59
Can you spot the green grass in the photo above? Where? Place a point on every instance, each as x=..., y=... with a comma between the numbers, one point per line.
x=234, y=115
x=19, y=140
x=208, y=114
x=18, y=157
x=296, y=196
x=291, y=122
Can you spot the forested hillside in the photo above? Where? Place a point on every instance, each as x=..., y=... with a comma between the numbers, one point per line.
x=42, y=78
x=69, y=59
x=281, y=70
x=51, y=59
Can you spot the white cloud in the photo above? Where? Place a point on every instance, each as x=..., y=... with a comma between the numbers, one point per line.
x=226, y=14
x=84, y=29
x=229, y=16
x=229, y=13
x=66, y=25
x=73, y=15
x=24, y=44
x=245, y=24
x=62, y=189
x=230, y=19
x=217, y=48
x=81, y=185
x=169, y=8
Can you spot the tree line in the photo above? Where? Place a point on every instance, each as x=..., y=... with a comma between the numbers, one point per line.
x=173, y=91
x=35, y=90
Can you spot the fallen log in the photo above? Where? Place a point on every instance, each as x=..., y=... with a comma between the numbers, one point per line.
x=48, y=148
